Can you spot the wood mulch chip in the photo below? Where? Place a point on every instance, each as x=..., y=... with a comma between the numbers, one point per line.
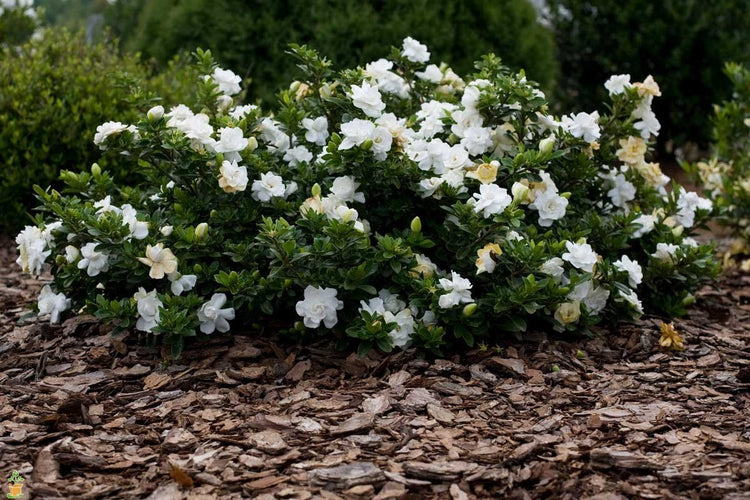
x=83, y=415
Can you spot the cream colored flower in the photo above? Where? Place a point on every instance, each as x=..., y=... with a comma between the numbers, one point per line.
x=486, y=173
x=485, y=263
x=648, y=87
x=632, y=150
x=161, y=261
x=651, y=172
x=568, y=312
x=313, y=203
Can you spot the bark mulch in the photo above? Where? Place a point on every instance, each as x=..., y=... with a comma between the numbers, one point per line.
x=83, y=415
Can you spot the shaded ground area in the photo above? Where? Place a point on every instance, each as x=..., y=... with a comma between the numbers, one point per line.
x=85, y=416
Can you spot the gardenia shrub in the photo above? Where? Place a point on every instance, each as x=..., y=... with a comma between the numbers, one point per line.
x=725, y=177
x=18, y=22
x=393, y=205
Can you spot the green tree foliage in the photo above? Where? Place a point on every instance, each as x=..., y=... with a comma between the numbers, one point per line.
x=250, y=37
x=682, y=43
x=17, y=24
x=54, y=92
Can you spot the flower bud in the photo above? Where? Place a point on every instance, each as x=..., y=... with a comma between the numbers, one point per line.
x=60, y=260
x=366, y=146
x=316, y=190
x=252, y=144
x=688, y=300
x=166, y=230
x=469, y=309
x=299, y=326
x=197, y=269
x=96, y=170
x=555, y=368
x=416, y=225
x=565, y=195
x=547, y=144
x=677, y=230
x=212, y=214
x=201, y=230
x=520, y=192
x=155, y=113
x=178, y=208
x=580, y=354
x=295, y=85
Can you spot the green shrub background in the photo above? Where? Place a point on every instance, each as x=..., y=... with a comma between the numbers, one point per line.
x=250, y=37
x=54, y=92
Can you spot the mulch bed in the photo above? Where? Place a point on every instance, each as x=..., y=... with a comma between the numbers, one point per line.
x=83, y=415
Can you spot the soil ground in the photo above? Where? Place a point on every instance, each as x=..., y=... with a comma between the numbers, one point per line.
x=83, y=415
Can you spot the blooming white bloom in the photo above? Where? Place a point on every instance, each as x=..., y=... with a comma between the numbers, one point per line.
x=401, y=333
x=477, y=140
x=465, y=119
x=428, y=186
x=665, y=251
x=271, y=133
x=415, y=51
x=296, y=155
x=32, y=250
x=458, y=288
x=138, y=229
x=106, y=130
x=632, y=267
x=232, y=177
x=269, y=186
x=317, y=130
x=71, y=254
x=454, y=157
x=166, y=230
x=431, y=74
x=550, y=205
x=554, y=267
x=424, y=266
x=373, y=307
x=198, y=129
x=648, y=124
x=646, y=222
x=388, y=81
x=345, y=189
x=491, y=200
x=688, y=203
x=228, y=82
x=583, y=125
x=617, y=84
x=93, y=262
x=181, y=282
x=356, y=132
x=52, y=303
x=213, y=316
x=320, y=305
x=367, y=98
x=178, y=114
x=231, y=142
x=161, y=261
x=580, y=255
x=391, y=302
x=105, y=205
x=632, y=298
x=594, y=298
x=148, y=305
x=240, y=112
x=622, y=192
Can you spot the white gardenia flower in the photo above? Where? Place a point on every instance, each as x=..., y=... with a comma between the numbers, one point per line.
x=52, y=303
x=632, y=299
x=374, y=306
x=454, y=157
x=367, y=98
x=425, y=266
x=181, y=283
x=622, y=192
x=138, y=229
x=93, y=262
x=213, y=316
x=688, y=203
x=632, y=267
x=155, y=113
x=148, y=305
x=239, y=112
x=387, y=81
x=431, y=74
x=458, y=288
x=477, y=140
x=232, y=177
x=583, y=125
x=317, y=130
x=269, y=186
x=161, y=261
x=428, y=187
x=71, y=254
x=106, y=130
x=271, y=133
x=594, y=298
x=391, y=302
x=415, y=51
x=648, y=124
x=231, y=142
x=320, y=305
x=198, y=129
x=228, y=82
x=356, y=132
x=646, y=222
x=580, y=255
x=296, y=155
x=554, y=267
x=105, y=205
x=617, y=84
x=345, y=189
x=401, y=333
x=178, y=114
x=550, y=205
x=32, y=250
x=382, y=140
x=665, y=251
x=491, y=200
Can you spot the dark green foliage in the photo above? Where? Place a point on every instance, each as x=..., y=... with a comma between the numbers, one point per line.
x=16, y=26
x=682, y=43
x=54, y=92
x=251, y=37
